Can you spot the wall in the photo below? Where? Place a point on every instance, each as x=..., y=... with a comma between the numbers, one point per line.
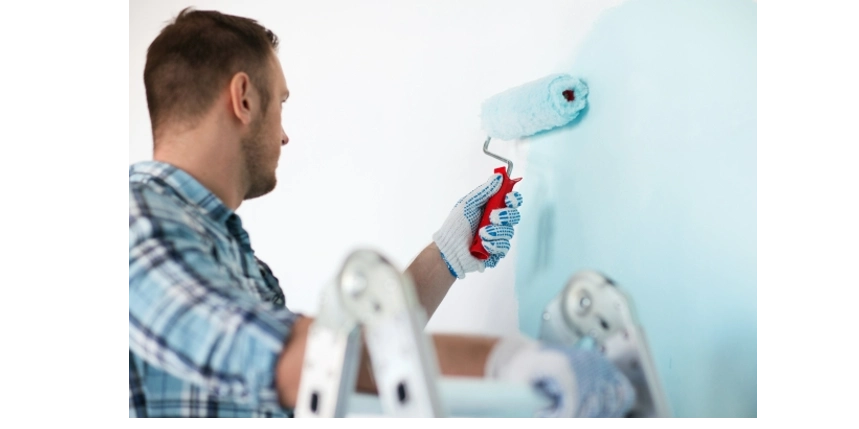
x=656, y=187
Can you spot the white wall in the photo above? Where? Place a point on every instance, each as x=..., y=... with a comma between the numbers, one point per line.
x=383, y=126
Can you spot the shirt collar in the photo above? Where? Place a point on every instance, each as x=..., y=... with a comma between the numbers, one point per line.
x=185, y=186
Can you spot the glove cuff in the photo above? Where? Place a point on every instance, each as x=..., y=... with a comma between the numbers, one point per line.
x=454, y=244
x=503, y=353
x=449, y=268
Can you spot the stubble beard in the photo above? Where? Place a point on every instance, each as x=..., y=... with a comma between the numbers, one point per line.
x=261, y=180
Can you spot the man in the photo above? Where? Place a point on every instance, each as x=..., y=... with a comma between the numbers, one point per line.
x=209, y=333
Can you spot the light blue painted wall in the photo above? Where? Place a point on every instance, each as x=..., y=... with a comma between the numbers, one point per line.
x=656, y=187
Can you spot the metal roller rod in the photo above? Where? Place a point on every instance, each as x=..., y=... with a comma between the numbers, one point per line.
x=509, y=163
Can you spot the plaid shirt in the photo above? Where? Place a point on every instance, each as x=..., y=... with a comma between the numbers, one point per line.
x=207, y=319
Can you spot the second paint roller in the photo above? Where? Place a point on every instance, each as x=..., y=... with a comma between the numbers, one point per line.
x=525, y=110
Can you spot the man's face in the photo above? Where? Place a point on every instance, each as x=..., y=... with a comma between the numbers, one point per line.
x=262, y=145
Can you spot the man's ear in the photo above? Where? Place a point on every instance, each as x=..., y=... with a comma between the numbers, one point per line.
x=241, y=97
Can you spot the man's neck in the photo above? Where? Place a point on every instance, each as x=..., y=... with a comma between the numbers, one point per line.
x=211, y=155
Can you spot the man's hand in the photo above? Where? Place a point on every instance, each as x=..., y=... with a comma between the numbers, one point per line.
x=581, y=383
x=457, y=233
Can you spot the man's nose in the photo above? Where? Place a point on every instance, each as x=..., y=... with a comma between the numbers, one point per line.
x=284, y=139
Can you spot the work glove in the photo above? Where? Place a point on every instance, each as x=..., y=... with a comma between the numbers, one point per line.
x=580, y=383
x=455, y=236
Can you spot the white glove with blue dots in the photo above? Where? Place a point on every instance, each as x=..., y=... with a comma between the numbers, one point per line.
x=455, y=236
x=579, y=382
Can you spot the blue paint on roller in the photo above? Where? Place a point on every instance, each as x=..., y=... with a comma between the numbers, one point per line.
x=534, y=107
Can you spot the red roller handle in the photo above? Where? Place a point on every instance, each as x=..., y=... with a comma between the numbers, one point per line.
x=496, y=202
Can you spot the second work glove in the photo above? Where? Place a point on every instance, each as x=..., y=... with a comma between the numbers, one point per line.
x=580, y=383
x=455, y=236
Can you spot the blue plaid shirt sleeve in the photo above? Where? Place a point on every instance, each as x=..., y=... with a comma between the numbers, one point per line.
x=186, y=317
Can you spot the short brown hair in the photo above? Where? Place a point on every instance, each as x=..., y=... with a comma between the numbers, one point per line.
x=196, y=55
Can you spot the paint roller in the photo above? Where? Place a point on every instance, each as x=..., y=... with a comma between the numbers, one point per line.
x=523, y=111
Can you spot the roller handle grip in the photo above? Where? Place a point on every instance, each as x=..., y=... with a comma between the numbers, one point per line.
x=495, y=202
